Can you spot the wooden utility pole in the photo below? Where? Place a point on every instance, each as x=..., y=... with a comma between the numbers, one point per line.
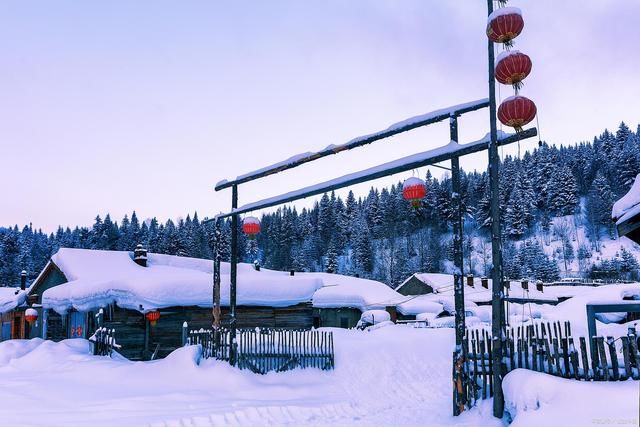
x=456, y=199
x=216, y=277
x=233, y=277
x=496, y=243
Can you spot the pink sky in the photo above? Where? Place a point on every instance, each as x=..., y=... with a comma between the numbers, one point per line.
x=118, y=106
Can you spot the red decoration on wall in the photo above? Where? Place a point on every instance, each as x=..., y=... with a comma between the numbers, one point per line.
x=504, y=25
x=414, y=190
x=512, y=68
x=31, y=315
x=153, y=316
x=516, y=112
x=251, y=226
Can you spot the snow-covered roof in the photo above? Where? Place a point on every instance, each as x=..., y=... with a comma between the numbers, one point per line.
x=442, y=284
x=629, y=204
x=420, y=304
x=98, y=278
x=346, y=291
x=11, y=298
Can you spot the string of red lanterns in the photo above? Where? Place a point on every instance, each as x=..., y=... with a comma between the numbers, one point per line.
x=512, y=66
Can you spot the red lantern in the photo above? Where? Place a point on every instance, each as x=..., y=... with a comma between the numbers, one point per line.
x=31, y=315
x=504, y=25
x=153, y=316
x=512, y=67
x=413, y=190
x=516, y=112
x=251, y=226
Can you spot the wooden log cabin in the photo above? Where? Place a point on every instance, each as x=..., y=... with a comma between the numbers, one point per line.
x=77, y=283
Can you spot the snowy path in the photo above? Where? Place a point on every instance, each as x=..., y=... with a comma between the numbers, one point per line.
x=391, y=376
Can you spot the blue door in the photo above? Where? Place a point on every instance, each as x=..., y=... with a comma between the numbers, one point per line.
x=77, y=325
x=5, y=333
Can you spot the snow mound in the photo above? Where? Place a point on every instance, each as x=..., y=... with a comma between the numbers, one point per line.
x=344, y=291
x=11, y=298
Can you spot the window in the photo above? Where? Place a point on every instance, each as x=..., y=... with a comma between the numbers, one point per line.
x=77, y=325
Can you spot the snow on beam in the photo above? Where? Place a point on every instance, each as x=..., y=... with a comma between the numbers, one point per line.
x=408, y=163
x=394, y=129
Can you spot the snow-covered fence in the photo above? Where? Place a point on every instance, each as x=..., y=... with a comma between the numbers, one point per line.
x=268, y=349
x=104, y=341
x=543, y=347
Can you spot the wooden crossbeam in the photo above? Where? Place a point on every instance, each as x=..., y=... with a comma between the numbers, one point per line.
x=404, y=164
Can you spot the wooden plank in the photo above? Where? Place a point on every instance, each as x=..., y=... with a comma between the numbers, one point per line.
x=565, y=357
x=556, y=357
x=574, y=359
x=614, y=358
x=585, y=359
x=603, y=358
x=625, y=356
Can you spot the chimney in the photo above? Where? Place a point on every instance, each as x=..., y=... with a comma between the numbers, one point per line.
x=140, y=256
x=292, y=272
x=393, y=313
x=525, y=284
x=485, y=282
x=23, y=280
x=470, y=280
x=256, y=265
x=506, y=284
x=539, y=286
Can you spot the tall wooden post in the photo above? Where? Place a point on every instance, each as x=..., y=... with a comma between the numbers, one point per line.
x=496, y=243
x=216, y=276
x=456, y=198
x=233, y=277
x=457, y=236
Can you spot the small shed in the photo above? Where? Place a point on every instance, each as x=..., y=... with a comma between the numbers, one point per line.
x=342, y=300
x=424, y=283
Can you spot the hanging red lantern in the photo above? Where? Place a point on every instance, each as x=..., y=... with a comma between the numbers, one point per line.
x=512, y=67
x=31, y=315
x=504, y=25
x=516, y=111
x=414, y=190
x=152, y=316
x=251, y=226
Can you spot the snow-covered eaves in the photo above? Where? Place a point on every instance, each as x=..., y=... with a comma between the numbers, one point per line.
x=351, y=292
x=628, y=205
x=10, y=298
x=394, y=129
x=99, y=278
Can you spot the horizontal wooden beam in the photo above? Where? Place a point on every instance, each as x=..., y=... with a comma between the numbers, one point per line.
x=404, y=164
x=400, y=127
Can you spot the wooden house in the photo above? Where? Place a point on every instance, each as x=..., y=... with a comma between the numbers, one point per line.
x=77, y=283
x=13, y=302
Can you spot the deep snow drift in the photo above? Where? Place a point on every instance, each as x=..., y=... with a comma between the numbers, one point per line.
x=393, y=375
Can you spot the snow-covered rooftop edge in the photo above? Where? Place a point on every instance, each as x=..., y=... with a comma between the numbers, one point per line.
x=629, y=204
x=99, y=278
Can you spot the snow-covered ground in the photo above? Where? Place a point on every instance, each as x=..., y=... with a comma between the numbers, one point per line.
x=390, y=376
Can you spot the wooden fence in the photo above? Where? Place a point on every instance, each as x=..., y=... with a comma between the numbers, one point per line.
x=543, y=347
x=268, y=349
x=104, y=341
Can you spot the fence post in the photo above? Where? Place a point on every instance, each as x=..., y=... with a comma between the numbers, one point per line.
x=185, y=333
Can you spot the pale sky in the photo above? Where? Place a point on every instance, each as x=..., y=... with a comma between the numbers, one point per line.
x=115, y=106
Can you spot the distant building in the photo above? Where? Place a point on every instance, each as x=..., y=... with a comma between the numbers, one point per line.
x=626, y=213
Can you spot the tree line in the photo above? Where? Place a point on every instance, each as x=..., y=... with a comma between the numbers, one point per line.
x=382, y=236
